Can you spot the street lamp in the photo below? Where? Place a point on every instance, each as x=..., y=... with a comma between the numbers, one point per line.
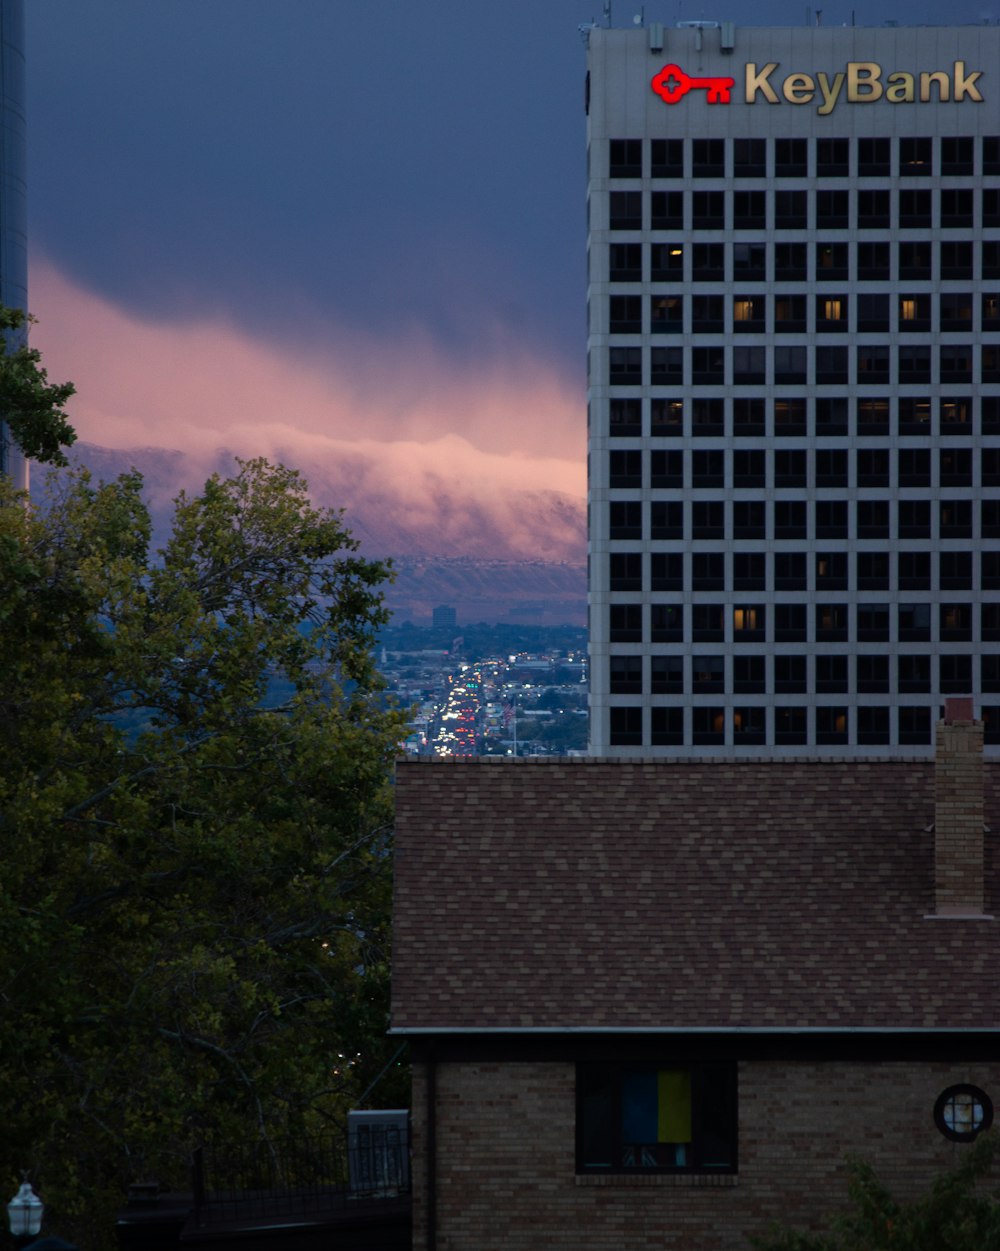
x=24, y=1215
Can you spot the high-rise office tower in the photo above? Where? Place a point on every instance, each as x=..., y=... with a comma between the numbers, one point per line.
x=794, y=386
x=13, y=239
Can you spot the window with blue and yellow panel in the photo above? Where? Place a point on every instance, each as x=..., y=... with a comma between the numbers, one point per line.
x=669, y=1118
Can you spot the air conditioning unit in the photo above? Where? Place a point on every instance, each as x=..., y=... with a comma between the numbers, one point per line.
x=378, y=1153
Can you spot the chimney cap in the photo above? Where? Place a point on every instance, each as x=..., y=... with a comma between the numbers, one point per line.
x=959, y=708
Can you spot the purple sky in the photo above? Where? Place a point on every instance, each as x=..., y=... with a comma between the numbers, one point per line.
x=325, y=228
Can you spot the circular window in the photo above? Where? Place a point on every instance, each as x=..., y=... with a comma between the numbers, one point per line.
x=962, y=1112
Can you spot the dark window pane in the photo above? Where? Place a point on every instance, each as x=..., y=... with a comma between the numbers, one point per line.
x=625, y=262
x=831, y=674
x=749, y=158
x=667, y=675
x=748, y=675
x=626, y=210
x=749, y=210
x=626, y=727
x=914, y=208
x=874, y=157
x=833, y=158
x=789, y=674
x=914, y=725
x=916, y=156
x=708, y=158
x=708, y=210
x=625, y=623
x=625, y=675
x=625, y=158
x=667, y=158
x=666, y=210
x=831, y=724
x=791, y=158
x=625, y=571
x=625, y=417
x=666, y=262
x=666, y=314
x=873, y=725
x=831, y=623
x=790, y=725
x=749, y=729
x=666, y=727
x=666, y=623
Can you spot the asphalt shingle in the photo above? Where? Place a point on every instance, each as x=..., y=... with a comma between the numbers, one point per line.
x=671, y=894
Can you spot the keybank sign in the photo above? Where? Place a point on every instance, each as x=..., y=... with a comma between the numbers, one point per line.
x=859, y=82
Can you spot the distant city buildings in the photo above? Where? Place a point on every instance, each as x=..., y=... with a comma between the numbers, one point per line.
x=481, y=700
x=794, y=386
x=444, y=615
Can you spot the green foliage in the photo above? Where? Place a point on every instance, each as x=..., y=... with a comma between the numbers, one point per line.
x=31, y=406
x=565, y=732
x=194, y=907
x=953, y=1215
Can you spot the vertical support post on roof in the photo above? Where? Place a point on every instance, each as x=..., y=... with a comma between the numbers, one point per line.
x=431, y=1145
x=958, y=813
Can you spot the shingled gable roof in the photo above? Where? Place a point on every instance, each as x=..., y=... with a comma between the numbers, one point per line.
x=640, y=894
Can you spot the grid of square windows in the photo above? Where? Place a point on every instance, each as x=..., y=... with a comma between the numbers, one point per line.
x=860, y=415
x=909, y=156
x=832, y=312
x=791, y=724
x=869, y=365
x=814, y=463
x=816, y=467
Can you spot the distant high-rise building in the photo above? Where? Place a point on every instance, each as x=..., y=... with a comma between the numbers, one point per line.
x=444, y=615
x=13, y=231
x=794, y=386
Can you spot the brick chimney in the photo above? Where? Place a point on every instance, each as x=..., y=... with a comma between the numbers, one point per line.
x=958, y=812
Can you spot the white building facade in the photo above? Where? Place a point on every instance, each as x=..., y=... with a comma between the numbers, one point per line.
x=794, y=387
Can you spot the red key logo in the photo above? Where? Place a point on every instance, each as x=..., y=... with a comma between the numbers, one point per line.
x=671, y=83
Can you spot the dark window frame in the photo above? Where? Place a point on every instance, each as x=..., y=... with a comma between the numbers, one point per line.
x=624, y=674
x=625, y=158
x=666, y=262
x=749, y=158
x=602, y=1119
x=946, y=1125
x=625, y=725
x=791, y=158
x=915, y=208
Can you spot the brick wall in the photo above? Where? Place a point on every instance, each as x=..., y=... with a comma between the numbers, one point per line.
x=958, y=817
x=506, y=1165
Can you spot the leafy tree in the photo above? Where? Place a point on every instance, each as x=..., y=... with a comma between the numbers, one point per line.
x=195, y=824
x=953, y=1215
x=31, y=406
x=565, y=732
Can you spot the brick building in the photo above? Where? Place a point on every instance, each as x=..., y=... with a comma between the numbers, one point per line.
x=656, y=1002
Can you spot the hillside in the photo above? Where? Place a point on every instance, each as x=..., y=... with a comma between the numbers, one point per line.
x=457, y=549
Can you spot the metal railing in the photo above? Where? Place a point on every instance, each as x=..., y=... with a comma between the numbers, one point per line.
x=301, y=1177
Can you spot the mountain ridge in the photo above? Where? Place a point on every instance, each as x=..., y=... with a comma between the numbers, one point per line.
x=454, y=548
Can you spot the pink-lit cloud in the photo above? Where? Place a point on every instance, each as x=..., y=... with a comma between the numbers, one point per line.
x=447, y=458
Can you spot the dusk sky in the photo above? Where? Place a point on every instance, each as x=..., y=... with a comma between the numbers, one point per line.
x=340, y=233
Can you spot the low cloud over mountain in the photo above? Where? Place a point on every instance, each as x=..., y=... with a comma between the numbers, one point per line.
x=429, y=456
x=448, y=548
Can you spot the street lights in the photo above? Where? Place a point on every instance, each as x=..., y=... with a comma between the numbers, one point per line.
x=24, y=1215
